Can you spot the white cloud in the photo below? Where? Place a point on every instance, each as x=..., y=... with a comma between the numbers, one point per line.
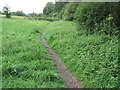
x=27, y=6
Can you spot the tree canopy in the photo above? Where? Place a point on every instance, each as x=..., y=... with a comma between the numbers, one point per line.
x=49, y=9
x=6, y=11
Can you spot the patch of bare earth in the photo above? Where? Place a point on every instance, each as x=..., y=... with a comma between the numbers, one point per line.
x=65, y=74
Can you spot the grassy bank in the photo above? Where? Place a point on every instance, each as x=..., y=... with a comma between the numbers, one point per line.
x=93, y=59
x=25, y=61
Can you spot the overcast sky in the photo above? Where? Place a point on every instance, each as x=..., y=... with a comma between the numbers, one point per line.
x=27, y=6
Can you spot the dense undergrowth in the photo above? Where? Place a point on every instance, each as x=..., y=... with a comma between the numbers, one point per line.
x=93, y=59
x=25, y=61
x=92, y=15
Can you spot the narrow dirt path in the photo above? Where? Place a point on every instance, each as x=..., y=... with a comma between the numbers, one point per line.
x=65, y=74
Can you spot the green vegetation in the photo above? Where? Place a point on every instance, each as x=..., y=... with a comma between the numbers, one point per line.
x=93, y=59
x=25, y=61
x=69, y=11
x=18, y=13
x=86, y=39
x=51, y=19
x=49, y=9
x=6, y=11
x=14, y=17
x=102, y=15
x=98, y=15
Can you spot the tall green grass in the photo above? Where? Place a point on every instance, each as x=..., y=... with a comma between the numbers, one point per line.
x=0, y=52
x=93, y=59
x=26, y=63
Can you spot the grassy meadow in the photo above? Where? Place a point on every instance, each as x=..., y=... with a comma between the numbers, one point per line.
x=25, y=61
x=84, y=35
x=93, y=59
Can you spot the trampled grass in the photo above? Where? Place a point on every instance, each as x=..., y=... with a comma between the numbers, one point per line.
x=25, y=61
x=93, y=59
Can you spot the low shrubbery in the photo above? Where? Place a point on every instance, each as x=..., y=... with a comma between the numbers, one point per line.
x=51, y=19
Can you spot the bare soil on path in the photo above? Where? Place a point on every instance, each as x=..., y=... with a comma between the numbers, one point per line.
x=65, y=74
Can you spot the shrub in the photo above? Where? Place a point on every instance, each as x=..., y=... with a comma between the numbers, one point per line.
x=70, y=10
x=90, y=14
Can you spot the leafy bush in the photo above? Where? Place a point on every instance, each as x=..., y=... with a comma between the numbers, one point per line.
x=61, y=14
x=107, y=27
x=90, y=14
x=49, y=9
x=69, y=11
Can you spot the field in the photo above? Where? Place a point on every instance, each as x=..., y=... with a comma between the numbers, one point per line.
x=93, y=59
x=25, y=61
x=68, y=45
x=13, y=17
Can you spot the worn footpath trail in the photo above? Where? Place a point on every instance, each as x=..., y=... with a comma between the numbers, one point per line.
x=65, y=74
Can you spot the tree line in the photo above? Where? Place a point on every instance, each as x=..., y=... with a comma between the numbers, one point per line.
x=94, y=17
x=8, y=13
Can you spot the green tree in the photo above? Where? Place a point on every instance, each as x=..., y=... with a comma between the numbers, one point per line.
x=0, y=12
x=13, y=13
x=59, y=9
x=59, y=6
x=49, y=9
x=6, y=11
x=33, y=14
x=41, y=15
x=70, y=10
x=20, y=13
x=92, y=14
